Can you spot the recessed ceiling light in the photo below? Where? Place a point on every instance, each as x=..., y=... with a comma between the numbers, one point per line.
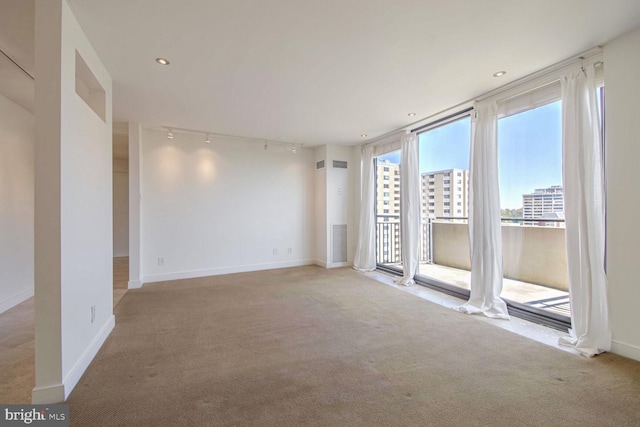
x=163, y=61
x=364, y=135
x=411, y=114
x=499, y=73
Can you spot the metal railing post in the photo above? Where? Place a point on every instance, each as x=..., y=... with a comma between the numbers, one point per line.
x=430, y=239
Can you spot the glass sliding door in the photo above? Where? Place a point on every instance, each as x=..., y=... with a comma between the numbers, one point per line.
x=387, y=206
x=532, y=205
x=444, y=179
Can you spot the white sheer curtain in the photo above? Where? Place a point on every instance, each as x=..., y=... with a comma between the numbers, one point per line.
x=584, y=214
x=365, y=258
x=409, y=207
x=485, y=233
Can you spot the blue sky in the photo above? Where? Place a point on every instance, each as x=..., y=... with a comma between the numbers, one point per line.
x=529, y=151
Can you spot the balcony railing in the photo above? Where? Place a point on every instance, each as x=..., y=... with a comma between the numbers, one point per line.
x=533, y=249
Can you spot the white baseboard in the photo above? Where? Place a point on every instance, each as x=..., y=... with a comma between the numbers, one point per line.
x=82, y=364
x=320, y=263
x=223, y=270
x=48, y=394
x=339, y=264
x=16, y=299
x=135, y=284
x=626, y=350
x=59, y=392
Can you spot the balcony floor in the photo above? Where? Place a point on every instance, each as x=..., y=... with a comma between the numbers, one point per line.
x=525, y=293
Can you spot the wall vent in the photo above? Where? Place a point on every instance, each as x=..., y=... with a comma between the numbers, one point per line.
x=340, y=164
x=320, y=164
x=339, y=243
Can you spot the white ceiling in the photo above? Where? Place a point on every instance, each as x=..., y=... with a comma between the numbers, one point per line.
x=326, y=71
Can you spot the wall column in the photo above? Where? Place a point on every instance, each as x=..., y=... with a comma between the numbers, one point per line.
x=135, y=206
x=73, y=203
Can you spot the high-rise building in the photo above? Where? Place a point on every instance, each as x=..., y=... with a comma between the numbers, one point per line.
x=445, y=193
x=388, y=211
x=387, y=191
x=544, y=203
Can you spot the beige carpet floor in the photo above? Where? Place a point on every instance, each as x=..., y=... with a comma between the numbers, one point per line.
x=314, y=347
x=17, y=354
x=17, y=358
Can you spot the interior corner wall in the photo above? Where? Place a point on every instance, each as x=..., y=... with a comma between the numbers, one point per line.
x=225, y=207
x=17, y=141
x=73, y=212
x=320, y=206
x=120, y=208
x=622, y=154
x=135, y=205
x=340, y=198
x=356, y=192
x=334, y=202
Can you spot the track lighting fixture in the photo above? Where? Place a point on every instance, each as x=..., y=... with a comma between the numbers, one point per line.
x=276, y=146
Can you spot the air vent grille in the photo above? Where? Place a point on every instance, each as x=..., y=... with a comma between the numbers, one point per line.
x=339, y=243
x=340, y=164
x=320, y=164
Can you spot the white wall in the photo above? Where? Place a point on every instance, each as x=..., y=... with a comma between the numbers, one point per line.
x=224, y=207
x=73, y=215
x=356, y=198
x=320, y=206
x=622, y=68
x=340, y=198
x=335, y=202
x=16, y=203
x=120, y=208
x=135, y=205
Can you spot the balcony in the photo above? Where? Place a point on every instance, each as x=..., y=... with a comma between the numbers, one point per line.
x=534, y=257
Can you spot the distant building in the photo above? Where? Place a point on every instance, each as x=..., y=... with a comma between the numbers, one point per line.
x=387, y=191
x=388, y=212
x=544, y=203
x=445, y=193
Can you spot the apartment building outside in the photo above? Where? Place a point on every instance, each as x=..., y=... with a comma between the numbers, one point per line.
x=544, y=203
x=445, y=194
x=387, y=191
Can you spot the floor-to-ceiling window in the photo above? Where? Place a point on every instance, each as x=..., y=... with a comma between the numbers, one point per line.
x=532, y=209
x=532, y=214
x=530, y=168
x=387, y=206
x=444, y=193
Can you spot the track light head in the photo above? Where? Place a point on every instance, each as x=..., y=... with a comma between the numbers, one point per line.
x=208, y=140
x=170, y=134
